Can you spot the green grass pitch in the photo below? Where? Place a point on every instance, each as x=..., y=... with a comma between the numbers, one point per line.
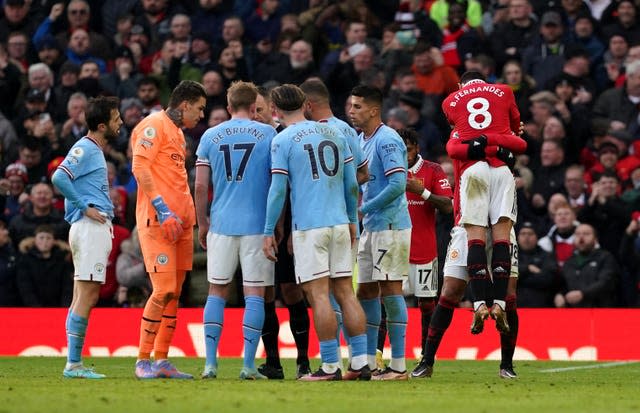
x=35, y=384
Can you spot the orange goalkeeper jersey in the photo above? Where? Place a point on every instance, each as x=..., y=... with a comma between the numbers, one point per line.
x=159, y=145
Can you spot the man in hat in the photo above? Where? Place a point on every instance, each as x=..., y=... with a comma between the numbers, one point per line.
x=16, y=180
x=123, y=79
x=543, y=59
x=429, y=141
x=17, y=18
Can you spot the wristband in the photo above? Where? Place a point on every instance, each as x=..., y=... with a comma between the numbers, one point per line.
x=425, y=194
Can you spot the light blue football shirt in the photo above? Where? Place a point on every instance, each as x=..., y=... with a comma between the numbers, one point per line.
x=387, y=155
x=86, y=167
x=359, y=160
x=313, y=156
x=238, y=152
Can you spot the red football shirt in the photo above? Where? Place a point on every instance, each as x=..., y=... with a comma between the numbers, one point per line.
x=423, y=214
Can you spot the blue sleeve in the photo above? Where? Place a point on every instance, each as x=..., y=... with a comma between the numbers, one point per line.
x=351, y=190
x=275, y=201
x=42, y=30
x=395, y=187
x=63, y=182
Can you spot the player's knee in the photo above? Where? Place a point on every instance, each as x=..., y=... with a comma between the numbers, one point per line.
x=164, y=297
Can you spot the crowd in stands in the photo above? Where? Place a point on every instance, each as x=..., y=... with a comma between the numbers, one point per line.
x=574, y=66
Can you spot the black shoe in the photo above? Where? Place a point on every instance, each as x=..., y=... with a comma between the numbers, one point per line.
x=320, y=375
x=508, y=373
x=270, y=372
x=363, y=374
x=422, y=370
x=302, y=370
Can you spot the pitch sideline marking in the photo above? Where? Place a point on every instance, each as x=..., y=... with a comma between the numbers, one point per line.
x=591, y=366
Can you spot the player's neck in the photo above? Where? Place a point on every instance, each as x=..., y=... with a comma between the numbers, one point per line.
x=324, y=113
x=97, y=138
x=293, y=117
x=175, y=115
x=241, y=114
x=371, y=126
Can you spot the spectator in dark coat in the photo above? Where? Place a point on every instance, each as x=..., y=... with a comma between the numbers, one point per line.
x=44, y=270
x=616, y=105
x=606, y=212
x=40, y=211
x=544, y=58
x=537, y=270
x=590, y=275
x=9, y=296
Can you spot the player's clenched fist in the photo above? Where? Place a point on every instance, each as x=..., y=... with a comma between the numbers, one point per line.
x=170, y=223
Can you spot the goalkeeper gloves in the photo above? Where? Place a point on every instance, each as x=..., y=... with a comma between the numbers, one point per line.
x=170, y=223
x=476, y=148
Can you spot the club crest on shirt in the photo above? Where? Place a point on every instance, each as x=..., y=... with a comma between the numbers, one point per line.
x=149, y=132
x=454, y=254
x=163, y=259
x=98, y=268
x=77, y=152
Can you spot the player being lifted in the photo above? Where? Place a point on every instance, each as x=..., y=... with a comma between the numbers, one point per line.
x=165, y=218
x=383, y=251
x=317, y=163
x=82, y=179
x=484, y=117
x=235, y=156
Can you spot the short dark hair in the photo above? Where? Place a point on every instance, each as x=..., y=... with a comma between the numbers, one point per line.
x=187, y=90
x=44, y=228
x=99, y=110
x=288, y=97
x=148, y=80
x=369, y=94
x=408, y=135
x=316, y=88
x=471, y=75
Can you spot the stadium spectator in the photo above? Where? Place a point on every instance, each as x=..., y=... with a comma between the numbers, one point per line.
x=510, y=38
x=606, y=212
x=17, y=49
x=626, y=21
x=560, y=240
x=123, y=78
x=9, y=295
x=549, y=177
x=14, y=183
x=430, y=137
x=544, y=57
x=44, y=272
x=39, y=211
x=616, y=105
x=629, y=254
x=17, y=18
x=130, y=271
x=459, y=40
x=537, y=270
x=589, y=276
x=440, y=10
x=575, y=187
x=75, y=127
